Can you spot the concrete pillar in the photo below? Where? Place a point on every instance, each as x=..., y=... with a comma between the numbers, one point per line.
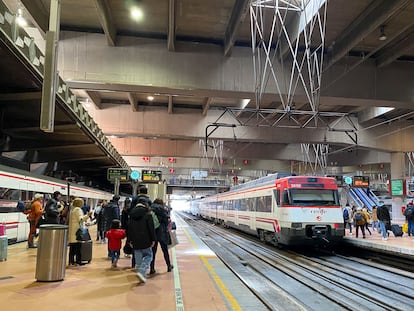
x=397, y=172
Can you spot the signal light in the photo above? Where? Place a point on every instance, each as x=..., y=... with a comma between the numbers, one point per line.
x=171, y=160
x=146, y=159
x=172, y=170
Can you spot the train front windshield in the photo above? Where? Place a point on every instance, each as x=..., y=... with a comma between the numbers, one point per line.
x=311, y=197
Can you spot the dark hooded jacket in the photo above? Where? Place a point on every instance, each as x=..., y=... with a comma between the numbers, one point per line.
x=141, y=232
x=109, y=212
x=163, y=217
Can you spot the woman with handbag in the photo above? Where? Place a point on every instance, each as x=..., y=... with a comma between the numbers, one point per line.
x=76, y=220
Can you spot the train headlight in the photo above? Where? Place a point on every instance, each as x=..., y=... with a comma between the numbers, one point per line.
x=296, y=225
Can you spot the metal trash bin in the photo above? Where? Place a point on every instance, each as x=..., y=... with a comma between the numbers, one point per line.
x=51, y=253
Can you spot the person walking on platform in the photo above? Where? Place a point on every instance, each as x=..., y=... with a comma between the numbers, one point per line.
x=115, y=236
x=76, y=217
x=161, y=232
x=347, y=214
x=384, y=219
x=409, y=214
x=36, y=212
x=141, y=234
x=360, y=222
x=374, y=219
x=367, y=219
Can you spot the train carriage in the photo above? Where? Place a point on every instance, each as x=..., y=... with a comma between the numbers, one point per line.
x=294, y=210
x=18, y=185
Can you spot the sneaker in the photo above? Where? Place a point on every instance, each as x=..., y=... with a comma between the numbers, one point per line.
x=152, y=272
x=170, y=267
x=350, y=233
x=115, y=264
x=384, y=239
x=141, y=277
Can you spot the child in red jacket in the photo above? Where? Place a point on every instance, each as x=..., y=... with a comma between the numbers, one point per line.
x=115, y=236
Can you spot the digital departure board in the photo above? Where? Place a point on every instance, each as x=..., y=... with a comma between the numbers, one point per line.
x=151, y=176
x=361, y=181
x=121, y=174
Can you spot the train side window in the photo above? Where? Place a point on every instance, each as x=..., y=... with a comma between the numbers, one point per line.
x=276, y=193
x=230, y=205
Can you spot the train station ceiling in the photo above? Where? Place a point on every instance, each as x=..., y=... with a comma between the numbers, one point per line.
x=364, y=99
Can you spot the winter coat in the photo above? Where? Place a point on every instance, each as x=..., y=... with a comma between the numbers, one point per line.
x=363, y=219
x=141, y=232
x=110, y=212
x=36, y=211
x=52, y=211
x=75, y=218
x=374, y=214
x=163, y=218
x=383, y=214
x=115, y=237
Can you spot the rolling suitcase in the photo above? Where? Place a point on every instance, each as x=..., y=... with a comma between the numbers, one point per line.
x=86, y=251
x=396, y=229
x=3, y=248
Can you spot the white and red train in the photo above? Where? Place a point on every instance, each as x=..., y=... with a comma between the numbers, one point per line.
x=18, y=185
x=293, y=210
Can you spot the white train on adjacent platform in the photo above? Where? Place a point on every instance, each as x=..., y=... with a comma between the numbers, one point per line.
x=18, y=185
x=294, y=210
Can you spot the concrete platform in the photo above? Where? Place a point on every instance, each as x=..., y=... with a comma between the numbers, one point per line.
x=199, y=281
x=403, y=246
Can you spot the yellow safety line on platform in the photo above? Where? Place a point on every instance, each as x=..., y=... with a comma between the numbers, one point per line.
x=226, y=293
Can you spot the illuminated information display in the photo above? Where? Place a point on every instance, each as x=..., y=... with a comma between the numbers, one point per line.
x=361, y=181
x=151, y=176
x=121, y=174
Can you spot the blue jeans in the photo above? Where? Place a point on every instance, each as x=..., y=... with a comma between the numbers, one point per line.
x=411, y=228
x=383, y=230
x=115, y=255
x=143, y=258
x=375, y=225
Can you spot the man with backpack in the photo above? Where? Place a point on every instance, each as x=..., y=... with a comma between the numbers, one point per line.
x=409, y=215
x=360, y=221
x=347, y=214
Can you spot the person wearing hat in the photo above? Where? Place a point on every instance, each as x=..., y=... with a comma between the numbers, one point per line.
x=36, y=212
x=53, y=208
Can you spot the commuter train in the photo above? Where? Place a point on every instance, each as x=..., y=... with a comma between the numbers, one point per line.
x=292, y=211
x=18, y=185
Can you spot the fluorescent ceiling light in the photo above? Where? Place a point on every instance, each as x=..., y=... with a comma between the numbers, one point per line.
x=136, y=13
x=19, y=18
x=244, y=102
x=151, y=98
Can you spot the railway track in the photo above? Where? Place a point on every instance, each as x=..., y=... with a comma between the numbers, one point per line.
x=286, y=280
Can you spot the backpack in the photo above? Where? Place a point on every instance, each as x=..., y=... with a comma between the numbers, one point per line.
x=155, y=220
x=358, y=216
x=27, y=207
x=346, y=214
x=409, y=211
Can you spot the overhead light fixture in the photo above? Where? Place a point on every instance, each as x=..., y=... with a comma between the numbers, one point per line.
x=20, y=19
x=150, y=98
x=382, y=36
x=136, y=13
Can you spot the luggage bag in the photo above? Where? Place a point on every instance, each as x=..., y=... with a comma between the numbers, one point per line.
x=396, y=229
x=86, y=251
x=3, y=248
